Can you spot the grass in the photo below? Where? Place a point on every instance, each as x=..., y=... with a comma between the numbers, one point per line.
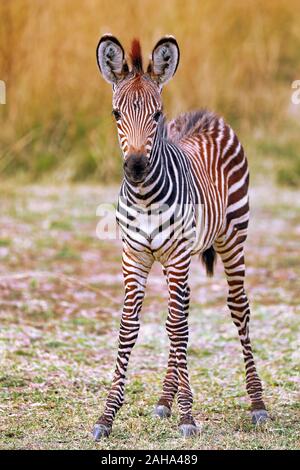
x=59, y=326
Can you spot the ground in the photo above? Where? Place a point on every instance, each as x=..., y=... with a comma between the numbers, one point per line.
x=60, y=302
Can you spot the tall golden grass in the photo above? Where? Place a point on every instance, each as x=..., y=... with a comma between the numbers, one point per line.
x=238, y=58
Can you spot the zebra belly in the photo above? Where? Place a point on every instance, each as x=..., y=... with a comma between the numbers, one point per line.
x=207, y=228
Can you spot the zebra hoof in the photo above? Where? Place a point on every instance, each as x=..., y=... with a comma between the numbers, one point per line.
x=259, y=417
x=162, y=411
x=188, y=430
x=101, y=430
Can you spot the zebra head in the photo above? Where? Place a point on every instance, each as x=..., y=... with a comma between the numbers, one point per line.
x=137, y=103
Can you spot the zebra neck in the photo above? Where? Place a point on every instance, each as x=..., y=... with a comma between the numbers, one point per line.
x=156, y=184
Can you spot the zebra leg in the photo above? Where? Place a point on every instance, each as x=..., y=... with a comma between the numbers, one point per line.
x=177, y=327
x=135, y=273
x=170, y=385
x=232, y=254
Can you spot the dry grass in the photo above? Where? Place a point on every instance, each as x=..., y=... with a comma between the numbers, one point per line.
x=238, y=58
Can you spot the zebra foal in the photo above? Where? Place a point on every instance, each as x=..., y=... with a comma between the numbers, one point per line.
x=192, y=174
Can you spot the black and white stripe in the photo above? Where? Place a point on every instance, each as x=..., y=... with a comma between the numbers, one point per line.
x=196, y=191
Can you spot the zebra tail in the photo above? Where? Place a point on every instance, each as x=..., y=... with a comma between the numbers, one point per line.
x=209, y=258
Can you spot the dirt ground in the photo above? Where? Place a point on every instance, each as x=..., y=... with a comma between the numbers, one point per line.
x=60, y=302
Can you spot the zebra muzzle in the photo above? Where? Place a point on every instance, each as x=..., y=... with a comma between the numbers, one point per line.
x=136, y=168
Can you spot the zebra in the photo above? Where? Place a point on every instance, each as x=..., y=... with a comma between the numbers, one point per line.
x=196, y=169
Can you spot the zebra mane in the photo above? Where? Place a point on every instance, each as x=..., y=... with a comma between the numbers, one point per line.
x=136, y=57
x=188, y=124
x=162, y=129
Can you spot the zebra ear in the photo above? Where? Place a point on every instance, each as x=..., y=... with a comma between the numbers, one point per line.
x=110, y=59
x=165, y=60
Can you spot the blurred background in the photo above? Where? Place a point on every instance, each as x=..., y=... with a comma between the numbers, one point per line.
x=237, y=58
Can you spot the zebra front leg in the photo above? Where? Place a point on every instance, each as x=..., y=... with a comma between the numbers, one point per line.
x=177, y=272
x=170, y=385
x=232, y=255
x=135, y=273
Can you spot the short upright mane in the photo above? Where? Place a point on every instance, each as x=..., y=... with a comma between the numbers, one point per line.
x=136, y=56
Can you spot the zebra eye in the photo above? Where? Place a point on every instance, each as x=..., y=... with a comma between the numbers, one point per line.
x=156, y=116
x=117, y=114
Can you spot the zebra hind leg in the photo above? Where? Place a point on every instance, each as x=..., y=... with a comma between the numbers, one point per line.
x=232, y=254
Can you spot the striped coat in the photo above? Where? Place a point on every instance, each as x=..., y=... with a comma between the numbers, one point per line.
x=184, y=192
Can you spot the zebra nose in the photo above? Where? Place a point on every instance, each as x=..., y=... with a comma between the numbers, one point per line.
x=136, y=167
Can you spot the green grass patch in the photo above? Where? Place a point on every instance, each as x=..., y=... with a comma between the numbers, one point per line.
x=67, y=253
x=4, y=242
